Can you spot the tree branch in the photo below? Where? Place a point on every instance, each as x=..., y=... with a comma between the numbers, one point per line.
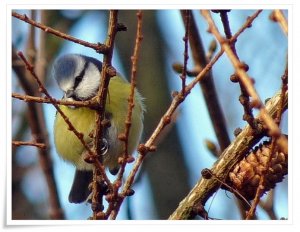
x=32, y=143
x=273, y=148
x=100, y=48
x=230, y=156
x=105, y=75
x=207, y=85
x=125, y=136
x=27, y=98
x=273, y=129
x=277, y=16
x=178, y=98
x=37, y=124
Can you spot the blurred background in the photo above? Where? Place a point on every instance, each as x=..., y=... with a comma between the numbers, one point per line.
x=168, y=174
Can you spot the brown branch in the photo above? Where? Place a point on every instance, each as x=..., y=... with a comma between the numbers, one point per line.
x=226, y=26
x=186, y=14
x=42, y=89
x=125, y=136
x=277, y=16
x=260, y=189
x=32, y=143
x=178, y=98
x=27, y=98
x=230, y=156
x=207, y=85
x=235, y=150
x=37, y=124
x=273, y=129
x=79, y=135
x=284, y=88
x=273, y=148
x=134, y=60
x=105, y=75
x=244, y=97
x=207, y=174
x=166, y=120
x=100, y=48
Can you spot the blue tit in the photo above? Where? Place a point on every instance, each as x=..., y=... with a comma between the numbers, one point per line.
x=78, y=76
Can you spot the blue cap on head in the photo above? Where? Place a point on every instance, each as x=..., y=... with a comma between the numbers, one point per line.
x=77, y=75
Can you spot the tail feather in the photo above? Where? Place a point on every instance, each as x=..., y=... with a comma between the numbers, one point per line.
x=79, y=190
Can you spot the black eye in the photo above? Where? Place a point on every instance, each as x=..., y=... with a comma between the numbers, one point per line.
x=77, y=81
x=78, y=78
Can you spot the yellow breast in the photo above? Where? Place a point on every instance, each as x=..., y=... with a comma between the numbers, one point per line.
x=68, y=145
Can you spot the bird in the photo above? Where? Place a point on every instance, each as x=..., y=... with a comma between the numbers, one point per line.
x=78, y=76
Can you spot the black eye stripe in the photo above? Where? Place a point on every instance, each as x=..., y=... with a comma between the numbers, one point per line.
x=80, y=76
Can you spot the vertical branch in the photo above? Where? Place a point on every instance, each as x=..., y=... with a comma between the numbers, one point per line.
x=125, y=136
x=105, y=75
x=244, y=97
x=207, y=85
x=226, y=26
x=187, y=16
x=134, y=58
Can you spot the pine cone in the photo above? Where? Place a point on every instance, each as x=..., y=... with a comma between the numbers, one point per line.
x=245, y=176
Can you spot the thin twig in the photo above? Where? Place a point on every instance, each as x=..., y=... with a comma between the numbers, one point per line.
x=27, y=98
x=177, y=100
x=244, y=97
x=165, y=120
x=246, y=139
x=207, y=84
x=134, y=60
x=32, y=143
x=79, y=135
x=207, y=174
x=260, y=188
x=273, y=147
x=36, y=120
x=227, y=30
x=234, y=152
x=277, y=16
x=187, y=16
x=125, y=135
x=30, y=68
x=100, y=48
x=273, y=129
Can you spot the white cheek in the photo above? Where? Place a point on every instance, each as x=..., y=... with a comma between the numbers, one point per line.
x=89, y=85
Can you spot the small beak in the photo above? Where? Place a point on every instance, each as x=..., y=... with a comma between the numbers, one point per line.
x=69, y=93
